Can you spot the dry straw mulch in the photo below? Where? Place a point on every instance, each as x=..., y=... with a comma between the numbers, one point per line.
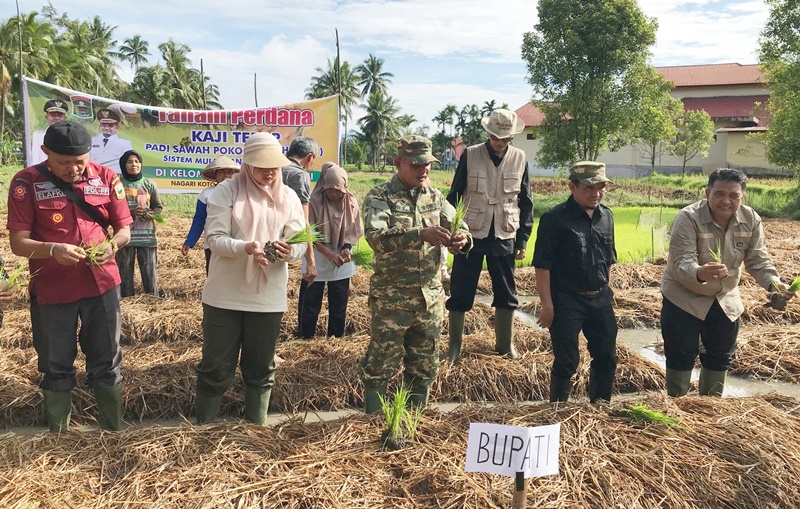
x=726, y=453
x=321, y=374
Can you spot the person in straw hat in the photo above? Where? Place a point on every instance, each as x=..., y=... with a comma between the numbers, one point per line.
x=52, y=232
x=216, y=171
x=574, y=251
x=406, y=223
x=492, y=179
x=244, y=297
x=335, y=209
x=710, y=241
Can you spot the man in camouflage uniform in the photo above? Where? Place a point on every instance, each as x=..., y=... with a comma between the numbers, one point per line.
x=407, y=223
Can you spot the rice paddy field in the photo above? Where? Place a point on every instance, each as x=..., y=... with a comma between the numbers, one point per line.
x=730, y=452
x=723, y=453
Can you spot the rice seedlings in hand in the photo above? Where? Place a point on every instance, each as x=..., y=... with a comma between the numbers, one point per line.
x=10, y=281
x=95, y=250
x=308, y=234
x=716, y=255
x=641, y=413
x=458, y=218
x=158, y=218
x=795, y=286
x=362, y=258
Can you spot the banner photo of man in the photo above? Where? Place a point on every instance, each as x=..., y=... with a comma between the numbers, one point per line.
x=176, y=144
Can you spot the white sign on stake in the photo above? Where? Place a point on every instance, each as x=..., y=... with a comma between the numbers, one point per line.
x=506, y=450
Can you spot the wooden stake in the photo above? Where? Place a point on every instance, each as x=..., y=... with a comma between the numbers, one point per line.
x=520, y=491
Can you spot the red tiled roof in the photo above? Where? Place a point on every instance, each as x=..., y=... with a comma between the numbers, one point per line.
x=532, y=115
x=731, y=106
x=711, y=75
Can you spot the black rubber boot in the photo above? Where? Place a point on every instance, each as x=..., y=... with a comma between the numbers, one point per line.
x=456, y=329
x=559, y=388
x=601, y=383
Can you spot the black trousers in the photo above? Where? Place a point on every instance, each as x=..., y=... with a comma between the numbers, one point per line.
x=147, y=258
x=595, y=317
x=681, y=331
x=310, y=303
x=54, y=329
x=464, y=281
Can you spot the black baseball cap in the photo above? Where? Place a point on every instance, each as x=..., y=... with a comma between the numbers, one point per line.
x=68, y=138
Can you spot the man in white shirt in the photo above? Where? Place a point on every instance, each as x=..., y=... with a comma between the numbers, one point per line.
x=107, y=147
x=54, y=110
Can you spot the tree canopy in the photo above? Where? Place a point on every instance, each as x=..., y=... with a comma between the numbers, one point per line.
x=579, y=57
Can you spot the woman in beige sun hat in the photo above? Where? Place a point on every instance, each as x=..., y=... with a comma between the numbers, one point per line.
x=219, y=169
x=244, y=297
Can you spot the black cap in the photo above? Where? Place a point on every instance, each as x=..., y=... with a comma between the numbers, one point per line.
x=105, y=115
x=68, y=138
x=55, y=105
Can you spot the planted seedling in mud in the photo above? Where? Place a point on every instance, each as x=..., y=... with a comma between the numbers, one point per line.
x=401, y=423
x=308, y=234
x=95, y=250
x=641, y=413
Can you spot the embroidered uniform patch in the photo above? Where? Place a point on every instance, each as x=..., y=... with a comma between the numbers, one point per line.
x=119, y=190
x=19, y=191
x=57, y=217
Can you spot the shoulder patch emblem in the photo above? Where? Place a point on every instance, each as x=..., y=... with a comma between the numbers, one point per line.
x=19, y=191
x=119, y=190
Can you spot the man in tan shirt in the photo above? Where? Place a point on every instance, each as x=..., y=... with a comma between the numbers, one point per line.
x=710, y=240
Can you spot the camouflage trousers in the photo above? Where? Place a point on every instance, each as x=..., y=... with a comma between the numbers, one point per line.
x=403, y=336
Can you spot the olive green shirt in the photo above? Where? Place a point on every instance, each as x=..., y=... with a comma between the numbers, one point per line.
x=694, y=235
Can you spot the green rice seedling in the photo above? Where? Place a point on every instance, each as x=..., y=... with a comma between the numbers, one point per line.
x=362, y=258
x=795, y=286
x=158, y=218
x=10, y=281
x=95, y=250
x=308, y=234
x=458, y=218
x=641, y=413
x=413, y=419
x=716, y=255
x=396, y=413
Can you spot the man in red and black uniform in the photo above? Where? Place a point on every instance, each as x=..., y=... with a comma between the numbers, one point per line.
x=52, y=231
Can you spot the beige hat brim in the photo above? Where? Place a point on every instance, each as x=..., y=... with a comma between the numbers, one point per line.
x=519, y=126
x=266, y=159
x=211, y=173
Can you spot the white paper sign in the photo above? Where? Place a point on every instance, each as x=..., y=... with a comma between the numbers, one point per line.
x=506, y=450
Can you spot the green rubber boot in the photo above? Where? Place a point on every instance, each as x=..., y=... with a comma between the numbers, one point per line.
x=256, y=404
x=58, y=407
x=678, y=382
x=504, y=332
x=419, y=395
x=456, y=328
x=206, y=407
x=109, y=407
x=712, y=383
x=372, y=399
x=559, y=388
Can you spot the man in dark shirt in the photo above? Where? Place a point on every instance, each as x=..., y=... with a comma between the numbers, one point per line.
x=574, y=251
x=492, y=179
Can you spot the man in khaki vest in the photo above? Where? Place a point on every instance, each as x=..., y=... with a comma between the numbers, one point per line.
x=492, y=178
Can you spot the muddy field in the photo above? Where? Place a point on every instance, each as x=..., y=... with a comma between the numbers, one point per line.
x=725, y=454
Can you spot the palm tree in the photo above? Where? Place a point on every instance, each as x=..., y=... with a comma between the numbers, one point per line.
x=488, y=107
x=379, y=124
x=372, y=77
x=135, y=50
x=341, y=80
x=404, y=123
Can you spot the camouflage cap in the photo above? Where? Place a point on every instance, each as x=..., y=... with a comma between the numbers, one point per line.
x=588, y=172
x=417, y=148
x=105, y=115
x=55, y=105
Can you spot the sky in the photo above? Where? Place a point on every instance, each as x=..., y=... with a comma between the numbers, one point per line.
x=440, y=51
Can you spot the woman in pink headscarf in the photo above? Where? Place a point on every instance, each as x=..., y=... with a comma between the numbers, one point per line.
x=334, y=208
x=245, y=295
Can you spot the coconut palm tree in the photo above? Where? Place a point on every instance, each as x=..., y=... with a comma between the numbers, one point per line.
x=379, y=125
x=135, y=50
x=336, y=80
x=372, y=77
